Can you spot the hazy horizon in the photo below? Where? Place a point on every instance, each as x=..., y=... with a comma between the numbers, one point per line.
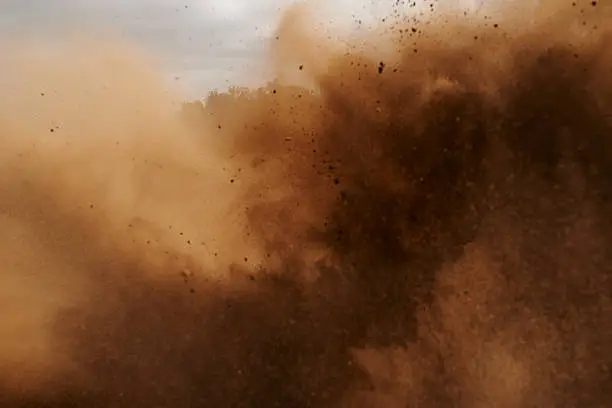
x=203, y=44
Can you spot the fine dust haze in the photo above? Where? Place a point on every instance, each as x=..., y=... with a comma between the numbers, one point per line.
x=425, y=226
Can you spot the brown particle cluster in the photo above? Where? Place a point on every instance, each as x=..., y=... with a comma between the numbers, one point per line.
x=433, y=235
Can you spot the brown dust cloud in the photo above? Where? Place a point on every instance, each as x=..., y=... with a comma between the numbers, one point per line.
x=427, y=225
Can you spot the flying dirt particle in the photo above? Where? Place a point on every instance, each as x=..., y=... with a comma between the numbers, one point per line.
x=301, y=67
x=381, y=67
x=186, y=274
x=593, y=3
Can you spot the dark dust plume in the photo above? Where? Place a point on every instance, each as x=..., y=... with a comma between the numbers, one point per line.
x=433, y=223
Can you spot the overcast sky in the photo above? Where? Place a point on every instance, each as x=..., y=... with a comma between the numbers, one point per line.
x=206, y=43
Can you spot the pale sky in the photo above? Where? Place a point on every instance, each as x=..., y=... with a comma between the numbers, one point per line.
x=206, y=44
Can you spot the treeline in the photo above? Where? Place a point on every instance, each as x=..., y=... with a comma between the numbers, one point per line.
x=239, y=106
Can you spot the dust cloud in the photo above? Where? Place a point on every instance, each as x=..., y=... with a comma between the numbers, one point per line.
x=426, y=226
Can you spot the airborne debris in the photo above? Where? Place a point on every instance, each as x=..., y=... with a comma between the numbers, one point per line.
x=451, y=251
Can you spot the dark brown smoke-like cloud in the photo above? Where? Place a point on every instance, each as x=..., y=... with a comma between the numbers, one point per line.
x=428, y=227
